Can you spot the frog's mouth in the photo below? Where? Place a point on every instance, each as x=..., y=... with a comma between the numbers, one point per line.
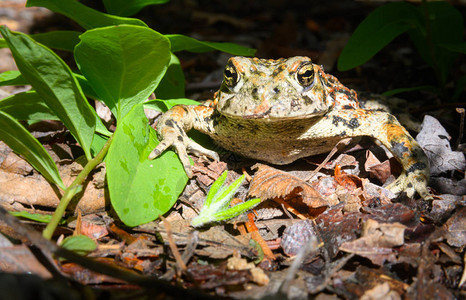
x=270, y=110
x=266, y=117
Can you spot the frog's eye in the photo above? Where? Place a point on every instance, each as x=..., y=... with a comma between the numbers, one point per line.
x=230, y=75
x=305, y=75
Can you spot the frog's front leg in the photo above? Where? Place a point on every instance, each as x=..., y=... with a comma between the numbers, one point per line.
x=173, y=126
x=385, y=128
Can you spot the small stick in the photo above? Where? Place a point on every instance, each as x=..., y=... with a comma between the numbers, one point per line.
x=460, y=110
x=290, y=208
x=172, y=244
x=252, y=228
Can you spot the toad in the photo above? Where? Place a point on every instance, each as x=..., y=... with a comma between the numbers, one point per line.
x=281, y=110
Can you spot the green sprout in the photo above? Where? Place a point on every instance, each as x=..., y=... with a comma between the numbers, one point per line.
x=216, y=205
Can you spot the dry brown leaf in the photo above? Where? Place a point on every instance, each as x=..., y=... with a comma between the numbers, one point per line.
x=20, y=259
x=16, y=192
x=17, y=177
x=377, y=241
x=379, y=170
x=215, y=242
x=297, y=235
x=269, y=183
x=208, y=171
x=348, y=181
x=15, y=164
x=455, y=228
x=94, y=231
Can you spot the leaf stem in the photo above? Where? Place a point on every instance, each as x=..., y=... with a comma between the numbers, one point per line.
x=73, y=189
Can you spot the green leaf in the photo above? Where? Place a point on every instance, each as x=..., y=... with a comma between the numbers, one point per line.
x=172, y=84
x=85, y=16
x=31, y=107
x=410, y=89
x=53, y=81
x=128, y=8
x=215, y=207
x=86, y=87
x=12, y=77
x=164, y=105
x=236, y=210
x=27, y=106
x=141, y=189
x=223, y=196
x=22, y=142
x=379, y=28
x=80, y=244
x=35, y=217
x=455, y=47
x=98, y=142
x=181, y=42
x=215, y=188
x=440, y=23
x=123, y=64
x=61, y=40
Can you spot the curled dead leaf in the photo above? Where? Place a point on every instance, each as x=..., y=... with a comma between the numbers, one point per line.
x=377, y=169
x=377, y=241
x=269, y=183
x=348, y=181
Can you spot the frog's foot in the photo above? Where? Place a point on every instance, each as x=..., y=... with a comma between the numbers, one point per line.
x=182, y=144
x=410, y=183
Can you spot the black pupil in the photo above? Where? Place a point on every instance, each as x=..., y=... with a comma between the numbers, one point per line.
x=308, y=73
x=231, y=76
x=306, y=77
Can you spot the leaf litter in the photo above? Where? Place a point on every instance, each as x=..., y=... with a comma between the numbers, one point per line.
x=363, y=245
x=350, y=229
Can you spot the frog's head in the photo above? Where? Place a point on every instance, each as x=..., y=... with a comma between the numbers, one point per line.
x=292, y=88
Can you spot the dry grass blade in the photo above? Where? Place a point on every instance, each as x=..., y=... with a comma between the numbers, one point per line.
x=269, y=183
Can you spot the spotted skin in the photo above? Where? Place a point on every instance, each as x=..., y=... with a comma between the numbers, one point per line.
x=281, y=110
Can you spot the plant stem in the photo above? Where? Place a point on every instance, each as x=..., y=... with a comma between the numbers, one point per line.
x=73, y=189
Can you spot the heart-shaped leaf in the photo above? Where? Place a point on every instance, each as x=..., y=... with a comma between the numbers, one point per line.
x=123, y=64
x=141, y=189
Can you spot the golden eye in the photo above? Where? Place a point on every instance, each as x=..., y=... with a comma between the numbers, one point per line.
x=230, y=75
x=305, y=74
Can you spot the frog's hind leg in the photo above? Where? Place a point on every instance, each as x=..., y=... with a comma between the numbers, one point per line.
x=385, y=128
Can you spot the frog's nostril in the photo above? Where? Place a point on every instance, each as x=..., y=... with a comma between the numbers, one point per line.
x=276, y=90
x=254, y=91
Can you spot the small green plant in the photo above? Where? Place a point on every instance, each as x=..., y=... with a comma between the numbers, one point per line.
x=121, y=62
x=435, y=28
x=216, y=205
x=81, y=244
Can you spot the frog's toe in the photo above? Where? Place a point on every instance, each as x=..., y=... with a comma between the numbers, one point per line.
x=198, y=150
x=161, y=147
x=180, y=149
x=410, y=184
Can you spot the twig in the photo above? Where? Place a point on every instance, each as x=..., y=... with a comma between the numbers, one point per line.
x=73, y=189
x=310, y=246
x=173, y=247
x=460, y=110
x=32, y=236
x=290, y=208
x=193, y=239
x=252, y=228
x=344, y=143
